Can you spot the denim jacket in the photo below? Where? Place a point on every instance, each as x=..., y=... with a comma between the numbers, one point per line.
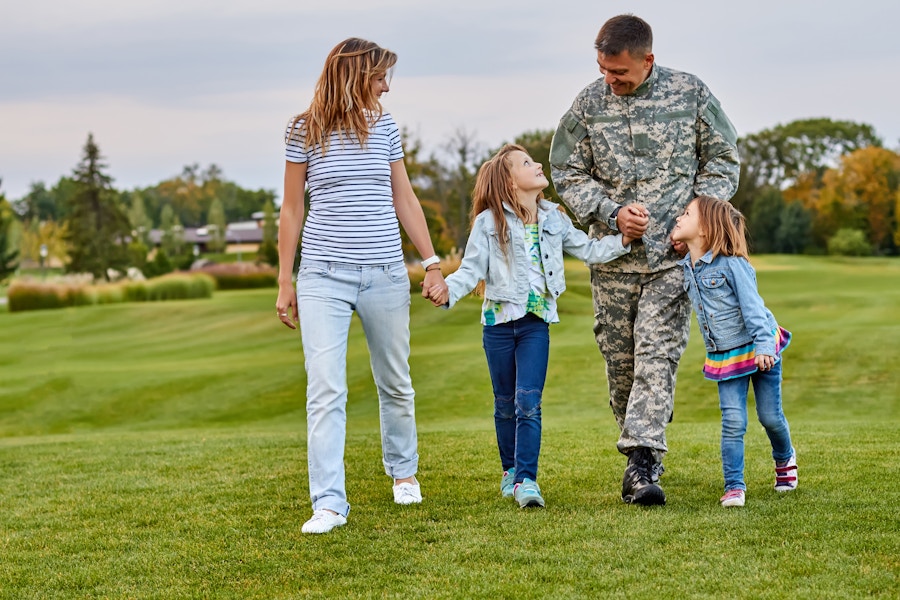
x=507, y=280
x=730, y=311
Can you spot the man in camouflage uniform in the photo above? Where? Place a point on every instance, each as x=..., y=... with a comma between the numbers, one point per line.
x=637, y=145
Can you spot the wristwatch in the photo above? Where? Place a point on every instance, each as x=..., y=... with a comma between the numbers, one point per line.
x=612, y=219
x=430, y=261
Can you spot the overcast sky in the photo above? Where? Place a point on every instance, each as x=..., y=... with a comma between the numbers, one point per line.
x=166, y=83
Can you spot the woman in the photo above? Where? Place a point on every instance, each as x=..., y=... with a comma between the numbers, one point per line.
x=347, y=150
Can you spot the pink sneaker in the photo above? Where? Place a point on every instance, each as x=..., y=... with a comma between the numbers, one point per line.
x=732, y=498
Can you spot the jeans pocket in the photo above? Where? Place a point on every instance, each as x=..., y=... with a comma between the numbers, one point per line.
x=398, y=274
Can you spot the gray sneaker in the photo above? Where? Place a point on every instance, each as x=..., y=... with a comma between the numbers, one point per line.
x=507, y=483
x=528, y=494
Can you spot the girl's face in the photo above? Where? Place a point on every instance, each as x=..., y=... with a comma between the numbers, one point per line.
x=687, y=226
x=380, y=85
x=527, y=175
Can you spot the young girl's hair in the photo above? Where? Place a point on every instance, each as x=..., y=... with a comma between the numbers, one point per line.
x=343, y=101
x=724, y=226
x=493, y=186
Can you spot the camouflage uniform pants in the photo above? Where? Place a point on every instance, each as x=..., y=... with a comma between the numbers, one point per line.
x=642, y=321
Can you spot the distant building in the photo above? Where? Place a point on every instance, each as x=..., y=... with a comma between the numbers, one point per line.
x=242, y=236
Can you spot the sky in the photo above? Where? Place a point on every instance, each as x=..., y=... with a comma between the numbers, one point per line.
x=166, y=83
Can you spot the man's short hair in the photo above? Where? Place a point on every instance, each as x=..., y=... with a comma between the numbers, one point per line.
x=625, y=32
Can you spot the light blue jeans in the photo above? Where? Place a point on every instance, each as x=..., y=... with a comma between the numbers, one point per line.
x=733, y=403
x=327, y=295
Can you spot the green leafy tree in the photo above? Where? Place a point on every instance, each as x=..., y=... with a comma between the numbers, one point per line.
x=429, y=184
x=268, y=249
x=216, y=224
x=141, y=224
x=764, y=219
x=794, y=233
x=172, y=239
x=8, y=254
x=97, y=227
x=39, y=204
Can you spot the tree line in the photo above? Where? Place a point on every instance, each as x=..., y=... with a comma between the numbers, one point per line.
x=810, y=186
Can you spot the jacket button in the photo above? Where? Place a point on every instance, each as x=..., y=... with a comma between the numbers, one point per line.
x=546, y=256
x=550, y=273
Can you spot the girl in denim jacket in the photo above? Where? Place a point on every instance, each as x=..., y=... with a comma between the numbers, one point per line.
x=743, y=341
x=515, y=248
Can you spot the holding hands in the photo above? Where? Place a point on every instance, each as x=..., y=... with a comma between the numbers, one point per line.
x=632, y=221
x=435, y=288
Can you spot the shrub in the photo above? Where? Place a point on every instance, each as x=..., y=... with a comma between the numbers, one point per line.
x=241, y=276
x=34, y=296
x=180, y=286
x=29, y=295
x=849, y=242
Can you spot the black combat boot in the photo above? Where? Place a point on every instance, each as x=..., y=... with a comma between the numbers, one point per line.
x=637, y=484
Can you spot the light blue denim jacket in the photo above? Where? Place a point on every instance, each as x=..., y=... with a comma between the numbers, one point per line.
x=730, y=311
x=507, y=280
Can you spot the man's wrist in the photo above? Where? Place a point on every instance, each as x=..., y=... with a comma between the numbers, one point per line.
x=612, y=219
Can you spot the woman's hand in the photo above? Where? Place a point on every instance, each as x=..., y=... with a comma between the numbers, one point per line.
x=435, y=288
x=286, y=305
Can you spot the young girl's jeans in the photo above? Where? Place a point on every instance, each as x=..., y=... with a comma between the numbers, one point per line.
x=327, y=295
x=517, y=354
x=733, y=403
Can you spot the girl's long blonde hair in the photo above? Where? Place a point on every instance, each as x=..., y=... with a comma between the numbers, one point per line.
x=493, y=186
x=343, y=101
x=724, y=226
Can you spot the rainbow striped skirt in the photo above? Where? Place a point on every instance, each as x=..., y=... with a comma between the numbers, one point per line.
x=738, y=362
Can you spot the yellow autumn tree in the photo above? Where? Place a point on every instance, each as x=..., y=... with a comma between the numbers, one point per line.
x=862, y=193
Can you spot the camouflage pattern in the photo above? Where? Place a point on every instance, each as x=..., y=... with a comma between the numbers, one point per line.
x=662, y=145
x=642, y=321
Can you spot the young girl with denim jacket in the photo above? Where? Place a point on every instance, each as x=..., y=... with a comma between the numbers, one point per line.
x=743, y=341
x=515, y=247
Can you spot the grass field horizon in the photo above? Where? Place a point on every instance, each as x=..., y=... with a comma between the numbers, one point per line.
x=158, y=450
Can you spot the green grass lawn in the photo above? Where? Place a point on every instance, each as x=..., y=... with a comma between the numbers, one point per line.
x=157, y=450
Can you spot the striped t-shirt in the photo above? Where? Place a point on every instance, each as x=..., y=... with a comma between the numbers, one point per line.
x=351, y=206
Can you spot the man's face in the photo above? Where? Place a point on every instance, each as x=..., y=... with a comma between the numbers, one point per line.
x=623, y=72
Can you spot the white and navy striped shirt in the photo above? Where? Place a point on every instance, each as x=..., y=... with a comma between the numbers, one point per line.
x=351, y=207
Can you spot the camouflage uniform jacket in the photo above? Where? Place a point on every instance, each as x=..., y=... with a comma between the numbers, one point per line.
x=662, y=145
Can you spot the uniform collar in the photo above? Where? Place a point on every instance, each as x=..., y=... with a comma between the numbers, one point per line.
x=644, y=88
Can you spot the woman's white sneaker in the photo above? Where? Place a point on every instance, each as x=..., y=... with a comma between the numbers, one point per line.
x=407, y=493
x=323, y=521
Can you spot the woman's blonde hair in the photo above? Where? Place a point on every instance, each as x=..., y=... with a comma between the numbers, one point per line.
x=494, y=185
x=343, y=101
x=724, y=226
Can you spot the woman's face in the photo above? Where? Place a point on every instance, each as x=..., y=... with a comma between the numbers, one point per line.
x=380, y=84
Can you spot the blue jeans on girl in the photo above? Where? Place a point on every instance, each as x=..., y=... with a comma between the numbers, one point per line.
x=733, y=403
x=517, y=354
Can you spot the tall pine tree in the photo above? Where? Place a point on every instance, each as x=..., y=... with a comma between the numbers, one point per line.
x=8, y=256
x=98, y=228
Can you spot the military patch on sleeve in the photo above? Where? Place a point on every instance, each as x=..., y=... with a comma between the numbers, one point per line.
x=716, y=118
x=569, y=133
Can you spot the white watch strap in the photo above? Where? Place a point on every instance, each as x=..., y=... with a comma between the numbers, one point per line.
x=430, y=261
